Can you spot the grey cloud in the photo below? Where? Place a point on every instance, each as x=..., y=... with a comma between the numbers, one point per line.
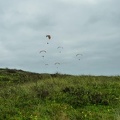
x=87, y=27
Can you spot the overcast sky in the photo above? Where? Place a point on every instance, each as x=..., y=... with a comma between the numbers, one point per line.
x=87, y=27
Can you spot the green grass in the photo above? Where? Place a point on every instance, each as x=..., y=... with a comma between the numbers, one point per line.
x=31, y=96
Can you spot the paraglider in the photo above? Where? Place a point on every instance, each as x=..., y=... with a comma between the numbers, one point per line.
x=49, y=37
x=57, y=63
x=42, y=52
x=78, y=56
x=60, y=48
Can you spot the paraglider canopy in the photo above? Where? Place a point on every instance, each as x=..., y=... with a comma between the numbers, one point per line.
x=78, y=54
x=57, y=63
x=42, y=51
x=59, y=47
x=49, y=36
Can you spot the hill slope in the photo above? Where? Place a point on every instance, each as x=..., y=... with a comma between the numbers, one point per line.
x=26, y=95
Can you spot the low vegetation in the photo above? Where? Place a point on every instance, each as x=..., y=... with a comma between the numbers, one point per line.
x=31, y=96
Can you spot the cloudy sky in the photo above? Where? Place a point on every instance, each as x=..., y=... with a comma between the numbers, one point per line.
x=90, y=28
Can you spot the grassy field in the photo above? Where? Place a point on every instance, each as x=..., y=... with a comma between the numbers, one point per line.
x=31, y=96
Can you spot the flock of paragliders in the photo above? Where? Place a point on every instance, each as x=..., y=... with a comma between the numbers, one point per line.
x=43, y=52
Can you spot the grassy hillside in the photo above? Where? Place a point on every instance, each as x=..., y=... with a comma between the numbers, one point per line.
x=31, y=96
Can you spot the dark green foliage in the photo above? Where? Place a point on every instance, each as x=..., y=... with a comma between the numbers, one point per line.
x=40, y=92
x=77, y=96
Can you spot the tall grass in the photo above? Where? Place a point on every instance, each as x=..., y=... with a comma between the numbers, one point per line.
x=31, y=96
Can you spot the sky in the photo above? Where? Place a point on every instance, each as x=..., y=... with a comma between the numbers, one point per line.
x=90, y=28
